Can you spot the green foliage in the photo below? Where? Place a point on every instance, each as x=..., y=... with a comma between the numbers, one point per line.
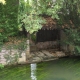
x=70, y=12
x=33, y=37
x=74, y=39
x=8, y=19
x=32, y=23
x=1, y=66
x=50, y=7
x=29, y=16
x=31, y=13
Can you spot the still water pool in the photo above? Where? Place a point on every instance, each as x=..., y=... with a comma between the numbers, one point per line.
x=62, y=69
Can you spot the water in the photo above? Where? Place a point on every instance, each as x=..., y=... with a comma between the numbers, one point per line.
x=33, y=71
x=62, y=69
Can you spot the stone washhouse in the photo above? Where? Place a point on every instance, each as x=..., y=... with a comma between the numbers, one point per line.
x=45, y=47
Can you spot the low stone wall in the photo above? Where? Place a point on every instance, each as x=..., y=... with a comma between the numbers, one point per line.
x=47, y=44
x=12, y=56
x=44, y=45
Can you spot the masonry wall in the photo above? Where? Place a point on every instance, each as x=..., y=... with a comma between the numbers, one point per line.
x=12, y=56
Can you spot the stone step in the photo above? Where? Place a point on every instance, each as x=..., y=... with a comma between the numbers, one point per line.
x=47, y=53
x=40, y=54
x=60, y=54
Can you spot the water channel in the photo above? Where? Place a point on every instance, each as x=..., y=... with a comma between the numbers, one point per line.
x=62, y=69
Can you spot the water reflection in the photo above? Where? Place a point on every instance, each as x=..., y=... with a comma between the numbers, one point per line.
x=33, y=71
x=62, y=69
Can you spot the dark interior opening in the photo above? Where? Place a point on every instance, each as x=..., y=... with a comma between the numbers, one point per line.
x=47, y=35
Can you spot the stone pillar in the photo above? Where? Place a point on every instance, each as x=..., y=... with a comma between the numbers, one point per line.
x=28, y=55
x=64, y=46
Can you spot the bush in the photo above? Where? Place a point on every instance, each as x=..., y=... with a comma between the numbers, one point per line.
x=8, y=20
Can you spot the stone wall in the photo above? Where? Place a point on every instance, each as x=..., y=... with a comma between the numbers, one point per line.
x=12, y=56
x=44, y=45
x=47, y=45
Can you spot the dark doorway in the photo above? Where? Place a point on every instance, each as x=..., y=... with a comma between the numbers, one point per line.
x=48, y=35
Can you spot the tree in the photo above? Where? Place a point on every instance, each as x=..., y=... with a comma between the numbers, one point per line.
x=31, y=13
x=70, y=14
x=8, y=20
